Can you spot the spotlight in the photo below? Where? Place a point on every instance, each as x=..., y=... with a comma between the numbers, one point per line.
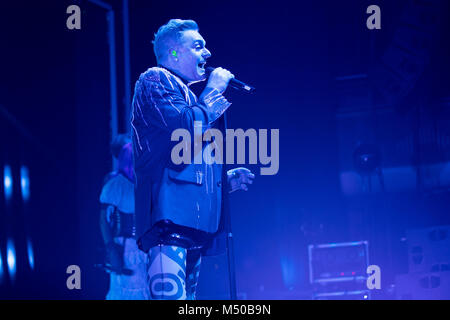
x=1, y=268
x=11, y=259
x=30, y=254
x=25, y=183
x=7, y=182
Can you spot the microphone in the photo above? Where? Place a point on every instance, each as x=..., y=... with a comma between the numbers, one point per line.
x=234, y=83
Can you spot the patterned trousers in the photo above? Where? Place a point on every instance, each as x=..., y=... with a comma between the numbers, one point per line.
x=172, y=272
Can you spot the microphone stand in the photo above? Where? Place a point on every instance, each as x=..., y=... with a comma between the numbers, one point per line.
x=227, y=221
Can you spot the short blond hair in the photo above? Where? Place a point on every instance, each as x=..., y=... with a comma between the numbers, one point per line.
x=168, y=36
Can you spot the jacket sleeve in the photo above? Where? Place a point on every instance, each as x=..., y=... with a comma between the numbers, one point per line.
x=160, y=102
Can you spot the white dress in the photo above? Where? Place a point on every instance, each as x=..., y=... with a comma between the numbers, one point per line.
x=119, y=192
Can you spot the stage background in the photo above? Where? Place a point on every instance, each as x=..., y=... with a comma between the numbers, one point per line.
x=317, y=70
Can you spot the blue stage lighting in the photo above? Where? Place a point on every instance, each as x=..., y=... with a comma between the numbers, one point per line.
x=11, y=259
x=1, y=268
x=8, y=182
x=30, y=254
x=25, y=183
x=289, y=271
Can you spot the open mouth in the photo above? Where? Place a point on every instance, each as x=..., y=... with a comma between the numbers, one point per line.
x=201, y=66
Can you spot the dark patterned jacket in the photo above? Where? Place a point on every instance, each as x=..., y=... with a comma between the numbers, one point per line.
x=188, y=195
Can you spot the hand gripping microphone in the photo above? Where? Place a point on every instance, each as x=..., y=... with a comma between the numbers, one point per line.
x=234, y=83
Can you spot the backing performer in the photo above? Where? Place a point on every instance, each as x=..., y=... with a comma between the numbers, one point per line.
x=178, y=207
x=126, y=262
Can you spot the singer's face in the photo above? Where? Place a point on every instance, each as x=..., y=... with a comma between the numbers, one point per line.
x=192, y=55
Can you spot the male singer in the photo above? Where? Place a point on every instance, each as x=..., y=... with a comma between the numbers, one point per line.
x=178, y=207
